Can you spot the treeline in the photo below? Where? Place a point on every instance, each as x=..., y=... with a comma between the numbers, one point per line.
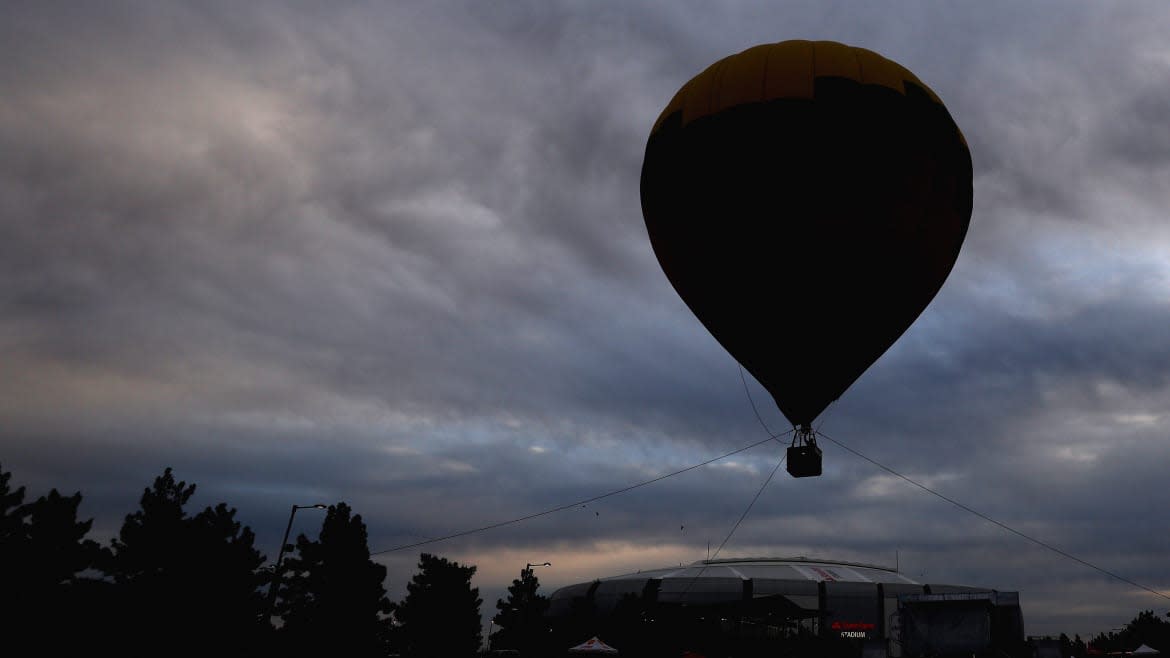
x=177, y=583
x=1146, y=628
x=173, y=583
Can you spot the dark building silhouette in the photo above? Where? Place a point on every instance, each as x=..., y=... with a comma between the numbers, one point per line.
x=763, y=605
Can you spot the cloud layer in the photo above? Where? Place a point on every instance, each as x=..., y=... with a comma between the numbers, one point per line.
x=394, y=255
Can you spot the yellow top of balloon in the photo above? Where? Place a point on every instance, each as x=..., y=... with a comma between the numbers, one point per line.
x=786, y=69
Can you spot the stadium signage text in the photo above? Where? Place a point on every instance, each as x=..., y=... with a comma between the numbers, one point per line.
x=853, y=629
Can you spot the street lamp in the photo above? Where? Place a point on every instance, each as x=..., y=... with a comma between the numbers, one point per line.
x=522, y=600
x=272, y=586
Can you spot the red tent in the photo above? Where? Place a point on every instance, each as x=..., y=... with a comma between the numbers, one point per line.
x=594, y=646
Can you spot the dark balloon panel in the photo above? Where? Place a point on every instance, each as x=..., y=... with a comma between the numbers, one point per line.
x=806, y=200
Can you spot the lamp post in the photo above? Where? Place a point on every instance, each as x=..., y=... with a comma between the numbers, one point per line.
x=272, y=586
x=523, y=604
x=527, y=570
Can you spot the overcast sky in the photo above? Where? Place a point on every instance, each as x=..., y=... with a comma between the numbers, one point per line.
x=393, y=254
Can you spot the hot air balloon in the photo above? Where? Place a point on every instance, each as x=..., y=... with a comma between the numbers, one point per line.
x=807, y=200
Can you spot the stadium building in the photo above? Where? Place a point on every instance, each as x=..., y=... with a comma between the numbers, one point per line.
x=773, y=606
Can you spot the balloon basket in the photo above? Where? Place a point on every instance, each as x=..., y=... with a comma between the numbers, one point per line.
x=804, y=456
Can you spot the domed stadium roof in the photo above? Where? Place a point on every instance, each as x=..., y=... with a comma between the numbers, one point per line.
x=735, y=600
x=716, y=582
x=775, y=568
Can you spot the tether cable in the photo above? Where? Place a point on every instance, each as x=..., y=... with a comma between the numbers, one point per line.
x=743, y=516
x=958, y=504
x=561, y=508
x=987, y=518
x=752, y=402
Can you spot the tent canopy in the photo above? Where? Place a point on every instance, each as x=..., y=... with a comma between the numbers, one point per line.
x=594, y=646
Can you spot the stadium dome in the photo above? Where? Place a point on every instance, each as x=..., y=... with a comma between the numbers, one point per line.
x=825, y=598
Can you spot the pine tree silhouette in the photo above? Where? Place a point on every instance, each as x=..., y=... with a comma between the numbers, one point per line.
x=521, y=618
x=43, y=554
x=332, y=598
x=185, y=585
x=439, y=618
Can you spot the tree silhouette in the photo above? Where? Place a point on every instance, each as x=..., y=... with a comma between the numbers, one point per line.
x=1146, y=628
x=11, y=519
x=521, y=618
x=186, y=585
x=332, y=600
x=1079, y=648
x=43, y=552
x=439, y=618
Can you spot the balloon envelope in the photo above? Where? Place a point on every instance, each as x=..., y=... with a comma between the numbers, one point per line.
x=806, y=200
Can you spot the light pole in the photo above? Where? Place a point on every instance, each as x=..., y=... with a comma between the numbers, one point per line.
x=527, y=570
x=524, y=602
x=272, y=586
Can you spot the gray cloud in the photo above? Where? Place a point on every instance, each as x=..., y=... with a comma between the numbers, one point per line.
x=395, y=256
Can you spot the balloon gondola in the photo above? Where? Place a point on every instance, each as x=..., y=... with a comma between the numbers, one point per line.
x=807, y=200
